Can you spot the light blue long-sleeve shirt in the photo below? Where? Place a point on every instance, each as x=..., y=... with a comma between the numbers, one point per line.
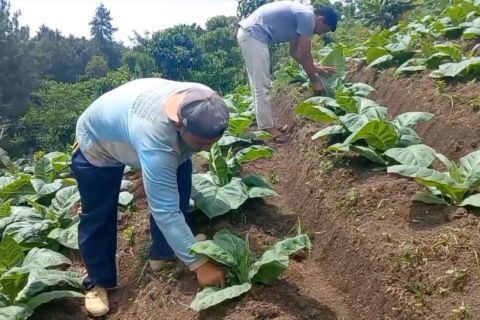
x=128, y=126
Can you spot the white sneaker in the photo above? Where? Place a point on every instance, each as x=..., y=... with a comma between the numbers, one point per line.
x=96, y=301
x=200, y=237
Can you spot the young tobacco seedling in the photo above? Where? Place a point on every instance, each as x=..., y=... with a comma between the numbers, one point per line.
x=243, y=267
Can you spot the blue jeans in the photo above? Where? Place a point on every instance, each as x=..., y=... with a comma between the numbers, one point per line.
x=99, y=189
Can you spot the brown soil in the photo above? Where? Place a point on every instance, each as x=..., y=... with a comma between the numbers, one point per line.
x=377, y=255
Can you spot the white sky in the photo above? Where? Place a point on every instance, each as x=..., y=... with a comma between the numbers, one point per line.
x=73, y=16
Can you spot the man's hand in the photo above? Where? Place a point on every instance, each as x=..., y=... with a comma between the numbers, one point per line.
x=324, y=70
x=318, y=87
x=209, y=274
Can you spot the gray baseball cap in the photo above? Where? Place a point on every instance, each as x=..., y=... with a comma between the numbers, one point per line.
x=202, y=112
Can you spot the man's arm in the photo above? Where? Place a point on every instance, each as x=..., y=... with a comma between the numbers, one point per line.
x=159, y=168
x=300, y=49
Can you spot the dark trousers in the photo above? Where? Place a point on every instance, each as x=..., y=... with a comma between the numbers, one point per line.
x=99, y=189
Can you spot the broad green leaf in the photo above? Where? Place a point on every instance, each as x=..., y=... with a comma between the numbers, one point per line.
x=412, y=65
x=209, y=297
x=41, y=280
x=4, y=181
x=17, y=312
x=16, y=188
x=471, y=33
x=428, y=198
x=228, y=140
x=240, y=250
x=60, y=160
x=214, y=251
x=452, y=168
x=46, y=297
x=254, y=153
x=383, y=61
x=214, y=200
x=455, y=69
x=470, y=169
x=20, y=214
x=218, y=166
x=44, y=258
x=329, y=131
x=335, y=59
x=229, y=250
x=416, y=155
x=44, y=189
x=339, y=147
x=373, y=53
x=319, y=101
x=408, y=137
x=370, y=108
x=368, y=153
x=473, y=200
x=13, y=281
x=437, y=59
x=456, y=13
x=29, y=233
x=432, y=178
x=397, y=46
x=260, y=192
x=379, y=134
x=347, y=102
x=44, y=170
x=354, y=122
x=44, y=211
x=254, y=180
x=409, y=119
x=360, y=89
x=454, y=51
x=5, y=209
x=258, y=187
x=65, y=199
x=125, y=198
x=66, y=237
x=262, y=135
x=239, y=125
x=11, y=254
x=316, y=112
x=274, y=261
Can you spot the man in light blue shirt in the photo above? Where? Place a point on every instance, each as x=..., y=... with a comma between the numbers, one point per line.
x=156, y=125
x=281, y=21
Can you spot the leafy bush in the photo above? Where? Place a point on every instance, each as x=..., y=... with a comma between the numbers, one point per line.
x=221, y=189
x=243, y=267
x=28, y=281
x=457, y=186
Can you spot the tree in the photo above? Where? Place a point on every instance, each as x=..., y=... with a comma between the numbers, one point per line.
x=246, y=7
x=176, y=50
x=50, y=122
x=59, y=58
x=139, y=64
x=96, y=68
x=383, y=13
x=17, y=77
x=223, y=63
x=101, y=26
x=102, y=30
